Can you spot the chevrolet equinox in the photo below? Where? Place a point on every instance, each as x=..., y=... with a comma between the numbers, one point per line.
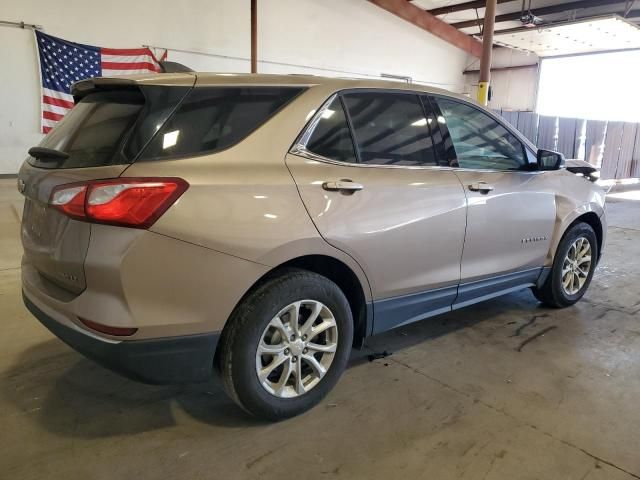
x=260, y=226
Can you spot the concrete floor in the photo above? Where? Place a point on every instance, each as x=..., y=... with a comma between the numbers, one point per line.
x=468, y=395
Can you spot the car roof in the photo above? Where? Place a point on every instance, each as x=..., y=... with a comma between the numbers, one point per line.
x=209, y=78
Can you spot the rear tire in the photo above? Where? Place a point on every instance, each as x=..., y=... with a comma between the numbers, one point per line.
x=573, y=267
x=275, y=367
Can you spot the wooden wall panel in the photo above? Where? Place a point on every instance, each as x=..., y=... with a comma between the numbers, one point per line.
x=578, y=152
x=635, y=158
x=627, y=145
x=567, y=133
x=611, y=154
x=528, y=125
x=614, y=147
x=547, y=133
x=594, y=138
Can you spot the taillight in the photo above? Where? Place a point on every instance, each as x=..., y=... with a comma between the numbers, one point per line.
x=127, y=202
x=70, y=200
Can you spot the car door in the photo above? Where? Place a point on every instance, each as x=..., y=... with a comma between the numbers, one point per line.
x=510, y=213
x=367, y=173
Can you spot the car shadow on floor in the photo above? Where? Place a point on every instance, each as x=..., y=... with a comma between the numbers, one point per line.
x=72, y=396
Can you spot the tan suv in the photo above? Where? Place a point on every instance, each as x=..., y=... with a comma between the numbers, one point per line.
x=261, y=225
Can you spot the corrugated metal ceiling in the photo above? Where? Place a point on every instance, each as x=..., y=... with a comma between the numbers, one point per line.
x=557, y=35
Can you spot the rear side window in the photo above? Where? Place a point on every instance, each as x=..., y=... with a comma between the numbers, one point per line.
x=212, y=119
x=93, y=131
x=390, y=128
x=331, y=137
x=160, y=102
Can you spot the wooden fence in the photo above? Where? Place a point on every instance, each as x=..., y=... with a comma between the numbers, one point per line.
x=614, y=147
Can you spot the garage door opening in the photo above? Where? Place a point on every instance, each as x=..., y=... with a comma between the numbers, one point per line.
x=592, y=87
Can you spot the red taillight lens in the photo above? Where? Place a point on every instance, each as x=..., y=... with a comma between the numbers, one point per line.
x=127, y=202
x=134, y=203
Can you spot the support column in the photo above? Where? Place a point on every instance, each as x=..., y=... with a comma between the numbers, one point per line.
x=254, y=36
x=487, y=47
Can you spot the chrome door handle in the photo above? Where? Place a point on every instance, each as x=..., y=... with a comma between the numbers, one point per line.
x=343, y=186
x=481, y=187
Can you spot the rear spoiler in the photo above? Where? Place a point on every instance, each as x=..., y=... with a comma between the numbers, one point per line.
x=84, y=87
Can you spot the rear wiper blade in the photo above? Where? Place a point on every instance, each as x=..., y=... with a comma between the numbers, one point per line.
x=42, y=153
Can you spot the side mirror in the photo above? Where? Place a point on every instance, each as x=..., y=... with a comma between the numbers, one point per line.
x=549, y=160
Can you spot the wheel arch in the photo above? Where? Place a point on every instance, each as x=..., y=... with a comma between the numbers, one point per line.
x=343, y=276
x=591, y=219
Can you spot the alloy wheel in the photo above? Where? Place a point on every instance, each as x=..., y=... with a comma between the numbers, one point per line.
x=576, y=266
x=296, y=349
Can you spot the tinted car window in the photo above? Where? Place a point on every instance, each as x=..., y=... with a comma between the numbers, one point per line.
x=479, y=142
x=331, y=137
x=441, y=138
x=215, y=118
x=160, y=102
x=390, y=128
x=94, y=130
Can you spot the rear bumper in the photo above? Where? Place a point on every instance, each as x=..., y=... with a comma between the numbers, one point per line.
x=171, y=360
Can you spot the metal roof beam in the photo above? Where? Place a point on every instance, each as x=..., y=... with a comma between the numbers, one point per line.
x=420, y=18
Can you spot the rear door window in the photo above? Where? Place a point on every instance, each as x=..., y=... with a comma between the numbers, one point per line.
x=390, y=128
x=212, y=119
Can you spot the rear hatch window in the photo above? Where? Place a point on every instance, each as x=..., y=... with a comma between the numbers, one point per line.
x=212, y=119
x=93, y=130
x=110, y=127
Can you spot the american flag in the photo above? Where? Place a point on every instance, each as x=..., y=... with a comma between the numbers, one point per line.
x=62, y=63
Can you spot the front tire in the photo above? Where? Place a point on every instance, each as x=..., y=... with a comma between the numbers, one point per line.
x=573, y=267
x=286, y=345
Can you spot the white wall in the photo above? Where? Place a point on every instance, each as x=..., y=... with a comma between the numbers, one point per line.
x=327, y=37
x=512, y=89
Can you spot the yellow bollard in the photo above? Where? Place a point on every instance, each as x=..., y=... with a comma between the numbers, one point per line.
x=483, y=93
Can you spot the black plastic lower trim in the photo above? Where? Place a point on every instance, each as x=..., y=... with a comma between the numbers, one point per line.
x=544, y=274
x=171, y=360
x=478, y=291
x=397, y=311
